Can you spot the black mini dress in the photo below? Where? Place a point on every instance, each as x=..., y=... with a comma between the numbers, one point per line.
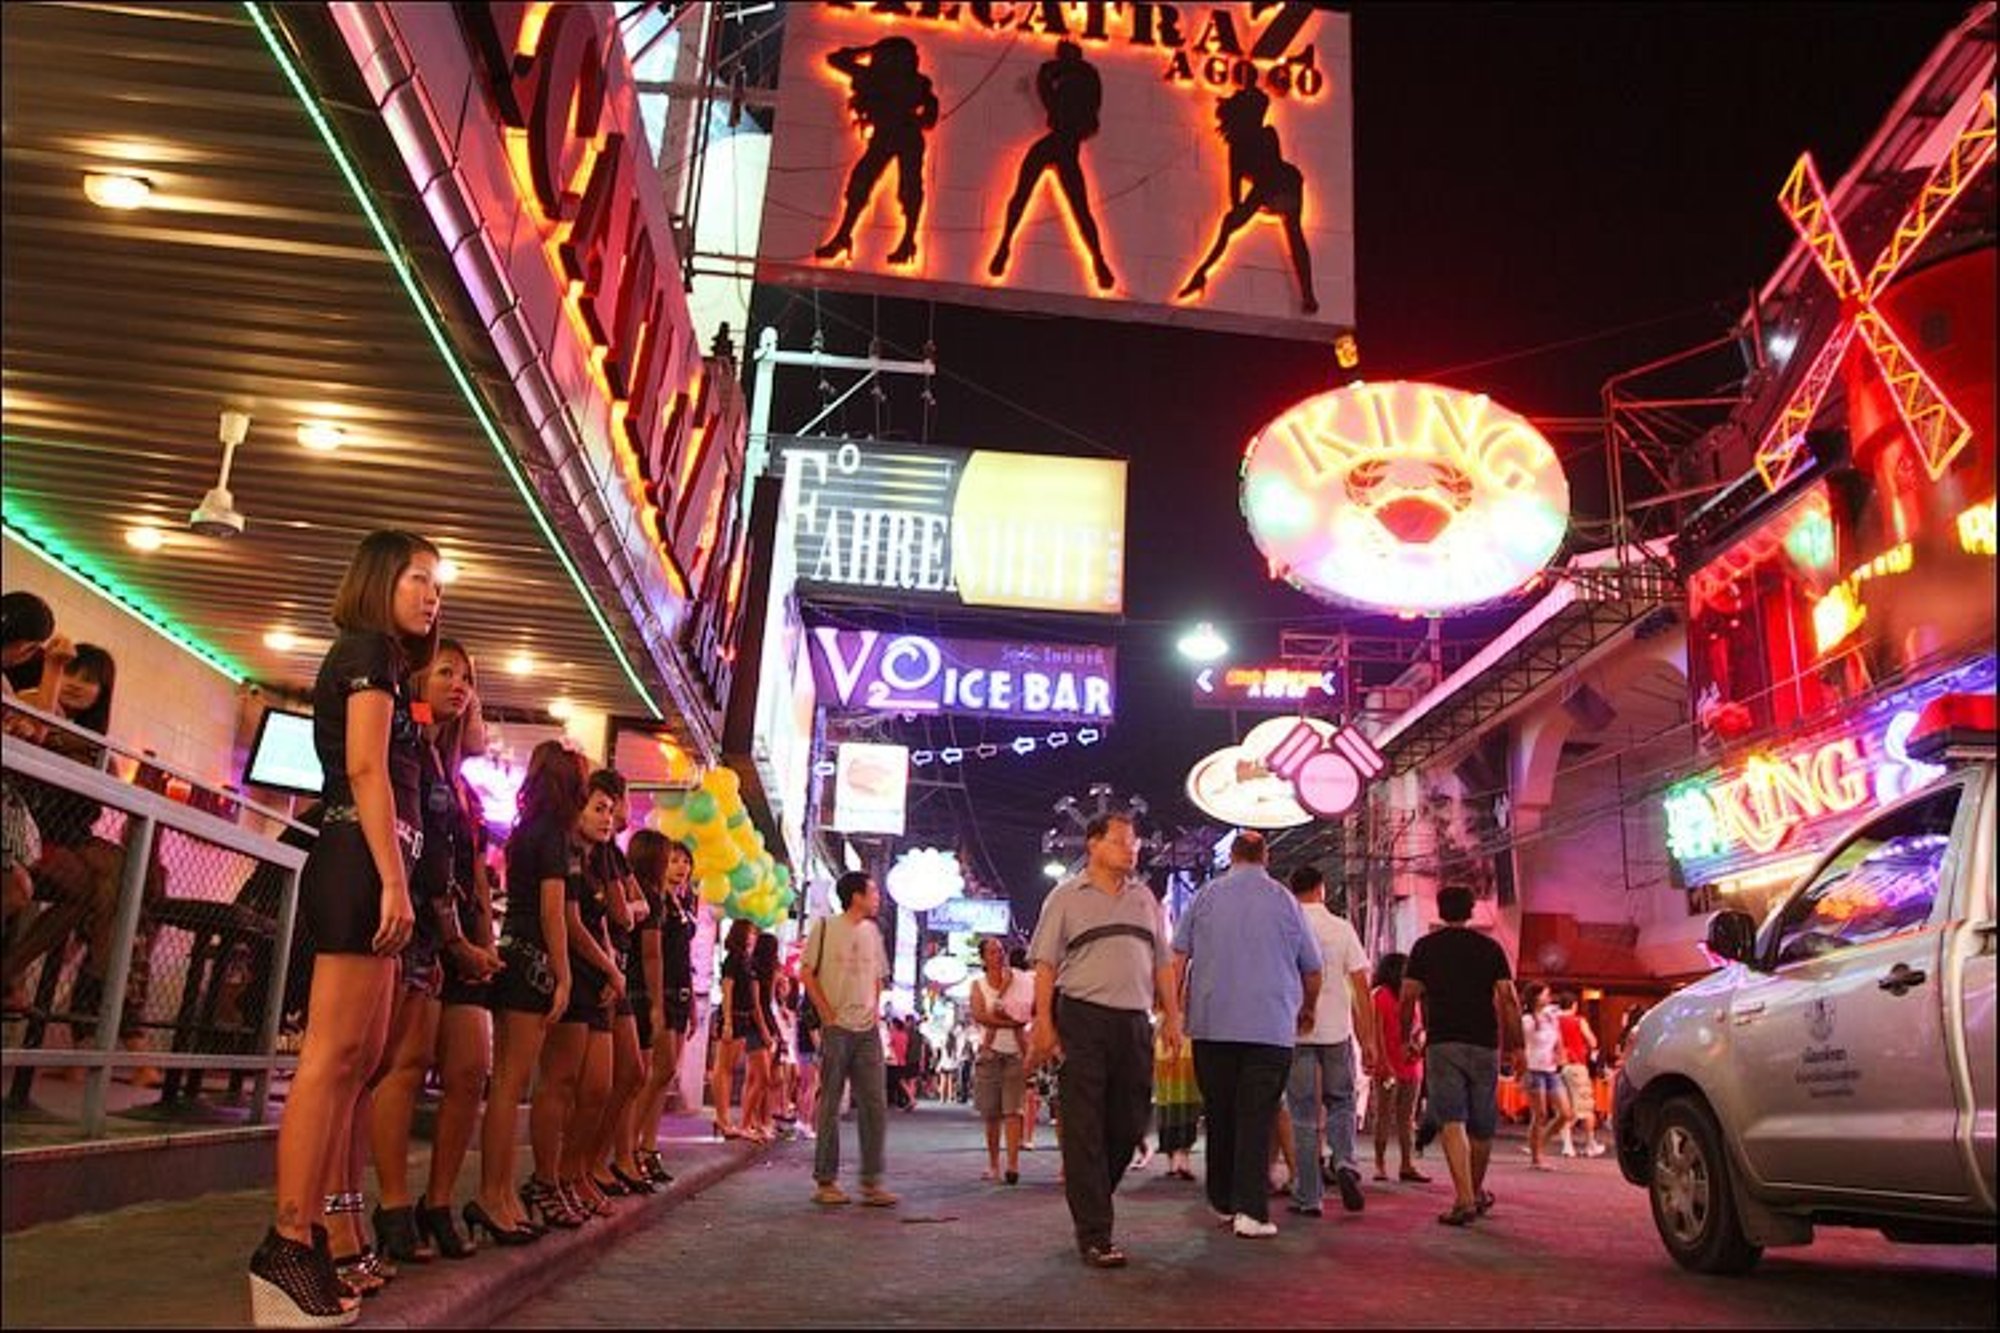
x=341, y=893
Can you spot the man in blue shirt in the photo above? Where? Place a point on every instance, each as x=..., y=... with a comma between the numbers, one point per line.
x=1250, y=967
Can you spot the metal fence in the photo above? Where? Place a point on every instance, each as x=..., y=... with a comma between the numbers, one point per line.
x=147, y=931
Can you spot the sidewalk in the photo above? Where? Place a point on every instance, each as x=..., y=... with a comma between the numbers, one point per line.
x=182, y=1265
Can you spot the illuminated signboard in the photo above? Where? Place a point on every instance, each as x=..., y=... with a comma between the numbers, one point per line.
x=1786, y=801
x=974, y=916
x=1167, y=163
x=870, y=788
x=1266, y=687
x=918, y=673
x=958, y=526
x=1287, y=772
x=519, y=125
x=1404, y=497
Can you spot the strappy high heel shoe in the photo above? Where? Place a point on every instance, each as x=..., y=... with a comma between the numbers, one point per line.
x=547, y=1205
x=436, y=1227
x=655, y=1167
x=477, y=1219
x=633, y=1185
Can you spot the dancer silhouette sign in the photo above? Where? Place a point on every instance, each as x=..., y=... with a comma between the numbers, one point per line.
x=1107, y=160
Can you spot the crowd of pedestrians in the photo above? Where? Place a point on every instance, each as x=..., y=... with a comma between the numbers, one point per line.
x=578, y=995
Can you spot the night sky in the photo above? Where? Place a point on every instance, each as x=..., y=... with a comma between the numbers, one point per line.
x=1547, y=194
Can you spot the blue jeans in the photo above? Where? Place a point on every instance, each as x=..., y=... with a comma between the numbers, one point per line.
x=850, y=1057
x=1321, y=1075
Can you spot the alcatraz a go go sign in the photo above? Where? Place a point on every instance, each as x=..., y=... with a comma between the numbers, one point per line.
x=1404, y=497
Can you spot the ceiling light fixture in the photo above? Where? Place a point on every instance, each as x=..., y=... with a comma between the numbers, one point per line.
x=520, y=664
x=447, y=571
x=144, y=538
x=281, y=641
x=562, y=710
x=113, y=189
x=321, y=436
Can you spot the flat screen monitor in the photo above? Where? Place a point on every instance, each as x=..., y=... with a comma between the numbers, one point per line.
x=282, y=757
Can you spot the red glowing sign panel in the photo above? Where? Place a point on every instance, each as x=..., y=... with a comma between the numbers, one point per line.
x=1404, y=497
x=1171, y=163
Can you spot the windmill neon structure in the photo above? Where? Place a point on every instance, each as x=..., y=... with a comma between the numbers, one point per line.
x=1939, y=429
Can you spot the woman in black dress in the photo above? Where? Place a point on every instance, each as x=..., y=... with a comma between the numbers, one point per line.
x=665, y=871
x=739, y=1026
x=576, y=1059
x=533, y=990
x=438, y=956
x=355, y=897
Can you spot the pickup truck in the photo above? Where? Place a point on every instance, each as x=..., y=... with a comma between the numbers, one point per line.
x=1838, y=1068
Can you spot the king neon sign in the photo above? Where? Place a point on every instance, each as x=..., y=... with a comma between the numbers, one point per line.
x=1780, y=799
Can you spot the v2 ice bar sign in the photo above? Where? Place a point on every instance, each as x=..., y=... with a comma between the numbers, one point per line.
x=870, y=671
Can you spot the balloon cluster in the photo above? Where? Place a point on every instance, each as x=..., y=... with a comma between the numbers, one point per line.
x=732, y=869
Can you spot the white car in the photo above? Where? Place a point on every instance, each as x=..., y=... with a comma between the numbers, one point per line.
x=1838, y=1069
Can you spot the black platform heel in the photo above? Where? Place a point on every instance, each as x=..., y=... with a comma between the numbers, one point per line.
x=290, y=1287
x=477, y=1219
x=397, y=1236
x=436, y=1227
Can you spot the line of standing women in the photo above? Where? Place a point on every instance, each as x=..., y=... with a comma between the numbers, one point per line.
x=586, y=981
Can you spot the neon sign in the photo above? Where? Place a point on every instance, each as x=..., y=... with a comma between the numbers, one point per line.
x=1404, y=497
x=580, y=169
x=1327, y=773
x=1222, y=48
x=1937, y=426
x=1051, y=156
x=1266, y=687
x=917, y=673
x=1778, y=801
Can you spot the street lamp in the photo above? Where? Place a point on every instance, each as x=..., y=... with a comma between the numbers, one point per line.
x=1055, y=870
x=1203, y=643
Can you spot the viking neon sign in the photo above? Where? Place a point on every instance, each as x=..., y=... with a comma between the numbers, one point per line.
x=1404, y=497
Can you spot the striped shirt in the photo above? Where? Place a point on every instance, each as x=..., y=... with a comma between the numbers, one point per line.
x=1104, y=947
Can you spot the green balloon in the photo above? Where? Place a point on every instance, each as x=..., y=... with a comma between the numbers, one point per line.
x=701, y=807
x=743, y=878
x=669, y=800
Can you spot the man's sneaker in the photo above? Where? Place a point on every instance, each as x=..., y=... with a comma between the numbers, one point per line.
x=1247, y=1227
x=1306, y=1209
x=1351, y=1197
x=1222, y=1218
x=1594, y=1150
x=1569, y=1150
x=874, y=1196
x=830, y=1194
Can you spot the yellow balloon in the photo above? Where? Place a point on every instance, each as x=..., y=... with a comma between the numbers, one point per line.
x=724, y=783
x=714, y=888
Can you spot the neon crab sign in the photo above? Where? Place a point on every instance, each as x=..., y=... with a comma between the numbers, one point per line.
x=1404, y=497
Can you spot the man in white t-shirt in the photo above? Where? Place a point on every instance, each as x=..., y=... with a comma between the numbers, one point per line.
x=1323, y=1059
x=843, y=969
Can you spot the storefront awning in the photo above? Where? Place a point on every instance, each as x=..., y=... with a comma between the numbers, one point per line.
x=254, y=278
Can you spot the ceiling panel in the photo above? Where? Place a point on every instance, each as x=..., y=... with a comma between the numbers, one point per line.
x=251, y=281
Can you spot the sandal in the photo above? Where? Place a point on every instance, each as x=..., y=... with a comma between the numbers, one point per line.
x=1104, y=1256
x=1413, y=1176
x=1456, y=1216
x=1482, y=1203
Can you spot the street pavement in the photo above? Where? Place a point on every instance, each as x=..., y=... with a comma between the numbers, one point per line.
x=1571, y=1248
x=181, y=1264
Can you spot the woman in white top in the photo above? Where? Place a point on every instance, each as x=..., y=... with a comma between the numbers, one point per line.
x=1548, y=1104
x=1003, y=999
